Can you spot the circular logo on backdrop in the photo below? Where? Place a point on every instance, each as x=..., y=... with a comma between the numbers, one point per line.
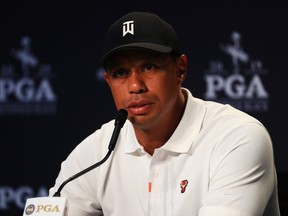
x=30, y=209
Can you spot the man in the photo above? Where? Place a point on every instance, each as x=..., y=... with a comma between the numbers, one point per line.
x=177, y=154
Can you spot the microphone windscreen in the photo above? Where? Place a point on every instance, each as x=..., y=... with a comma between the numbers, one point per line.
x=121, y=117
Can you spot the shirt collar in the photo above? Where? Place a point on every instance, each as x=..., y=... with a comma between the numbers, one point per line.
x=185, y=133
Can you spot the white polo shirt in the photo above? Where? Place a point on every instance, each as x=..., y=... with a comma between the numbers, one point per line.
x=218, y=162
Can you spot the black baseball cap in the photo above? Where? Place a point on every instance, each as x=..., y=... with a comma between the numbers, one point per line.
x=143, y=31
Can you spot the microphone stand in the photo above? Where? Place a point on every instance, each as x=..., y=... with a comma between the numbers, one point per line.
x=119, y=122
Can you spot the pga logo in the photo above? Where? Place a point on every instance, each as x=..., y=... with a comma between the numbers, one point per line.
x=26, y=90
x=235, y=86
x=30, y=209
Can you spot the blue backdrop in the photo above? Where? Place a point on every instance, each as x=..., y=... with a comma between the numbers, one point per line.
x=52, y=94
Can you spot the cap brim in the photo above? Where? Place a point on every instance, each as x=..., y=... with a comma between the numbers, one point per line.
x=151, y=47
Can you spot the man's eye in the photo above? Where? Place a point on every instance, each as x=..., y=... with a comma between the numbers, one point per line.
x=149, y=67
x=119, y=73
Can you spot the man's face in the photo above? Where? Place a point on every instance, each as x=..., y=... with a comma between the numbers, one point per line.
x=147, y=85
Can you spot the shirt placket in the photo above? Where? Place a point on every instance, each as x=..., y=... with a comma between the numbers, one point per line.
x=158, y=187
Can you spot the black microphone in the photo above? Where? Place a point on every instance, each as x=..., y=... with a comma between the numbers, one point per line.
x=119, y=122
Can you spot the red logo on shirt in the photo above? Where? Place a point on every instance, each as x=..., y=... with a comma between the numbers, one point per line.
x=183, y=185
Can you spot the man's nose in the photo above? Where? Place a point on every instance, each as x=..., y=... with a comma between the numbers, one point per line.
x=136, y=83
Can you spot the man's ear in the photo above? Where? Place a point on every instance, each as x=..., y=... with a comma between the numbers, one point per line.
x=182, y=64
x=106, y=77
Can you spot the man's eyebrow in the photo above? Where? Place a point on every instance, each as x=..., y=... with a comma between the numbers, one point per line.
x=111, y=64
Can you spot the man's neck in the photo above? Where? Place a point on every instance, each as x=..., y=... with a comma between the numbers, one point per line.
x=155, y=137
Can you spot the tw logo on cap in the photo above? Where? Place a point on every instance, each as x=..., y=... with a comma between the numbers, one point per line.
x=128, y=27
